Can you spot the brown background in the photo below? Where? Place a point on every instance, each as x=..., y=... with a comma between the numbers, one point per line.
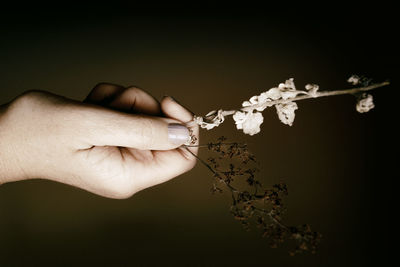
x=330, y=157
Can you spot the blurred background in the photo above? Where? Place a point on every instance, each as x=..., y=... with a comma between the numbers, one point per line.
x=335, y=161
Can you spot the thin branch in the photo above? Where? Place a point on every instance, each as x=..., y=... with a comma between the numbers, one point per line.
x=201, y=160
x=275, y=220
x=225, y=144
x=306, y=96
x=233, y=189
x=242, y=203
x=320, y=94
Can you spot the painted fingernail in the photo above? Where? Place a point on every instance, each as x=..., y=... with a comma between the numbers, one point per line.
x=178, y=134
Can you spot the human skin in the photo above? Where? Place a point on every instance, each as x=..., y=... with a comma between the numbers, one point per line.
x=114, y=143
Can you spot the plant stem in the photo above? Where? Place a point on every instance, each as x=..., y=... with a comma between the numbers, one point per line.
x=225, y=144
x=275, y=220
x=302, y=97
x=320, y=94
x=233, y=189
x=201, y=160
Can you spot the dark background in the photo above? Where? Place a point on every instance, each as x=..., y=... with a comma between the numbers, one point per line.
x=336, y=161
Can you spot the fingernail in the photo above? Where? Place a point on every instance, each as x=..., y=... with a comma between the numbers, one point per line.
x=178, y=134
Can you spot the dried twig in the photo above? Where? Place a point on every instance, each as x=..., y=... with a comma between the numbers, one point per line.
x=254, y=204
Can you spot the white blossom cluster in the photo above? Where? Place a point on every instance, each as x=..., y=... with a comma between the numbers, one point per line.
x=214, y=119
x=250, y=118
x=249, y=122
x=365, y=103
x=283, y=97
x=354, y=79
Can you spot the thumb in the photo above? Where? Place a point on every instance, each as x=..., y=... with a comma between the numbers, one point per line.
x=106, y=127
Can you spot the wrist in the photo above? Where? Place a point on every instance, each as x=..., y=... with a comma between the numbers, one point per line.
x=9, y=170
x=4, y=168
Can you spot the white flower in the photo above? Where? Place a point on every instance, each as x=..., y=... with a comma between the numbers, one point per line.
x=260, y=100
x=262, y=107
x=284, y=91
x=208, y=126
x=248, y=121
x=270, y=95
x=246, y=104
x=200, y=121
x=286, y=112
x=354, y=80
x=288, y=85
x=288, y=89
x=239, y=117
x=273, y=94
x=213, y=118
x=252, y=101
x=312, y=89
x=365, y=103
x=252, y=124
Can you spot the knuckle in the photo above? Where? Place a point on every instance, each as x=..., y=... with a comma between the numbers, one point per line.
x=25, y=101
x=29, y=97
x=147, y=133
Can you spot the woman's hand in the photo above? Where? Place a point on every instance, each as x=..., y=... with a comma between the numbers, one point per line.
x=116, y=143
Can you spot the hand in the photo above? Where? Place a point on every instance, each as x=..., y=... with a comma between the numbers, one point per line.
x=113, y=144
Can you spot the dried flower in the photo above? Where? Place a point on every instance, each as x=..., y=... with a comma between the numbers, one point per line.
x=288, y=89
x=354, y=79
x=214, y=119
x=312, y=89
x=365, y=103
x=260, y=100
x=359, y=80
x=283, y=98
x=248, y=121
x=270, y=95
x=286, y=112
x=287, y=85
x=265, y=206
x=253, y=204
